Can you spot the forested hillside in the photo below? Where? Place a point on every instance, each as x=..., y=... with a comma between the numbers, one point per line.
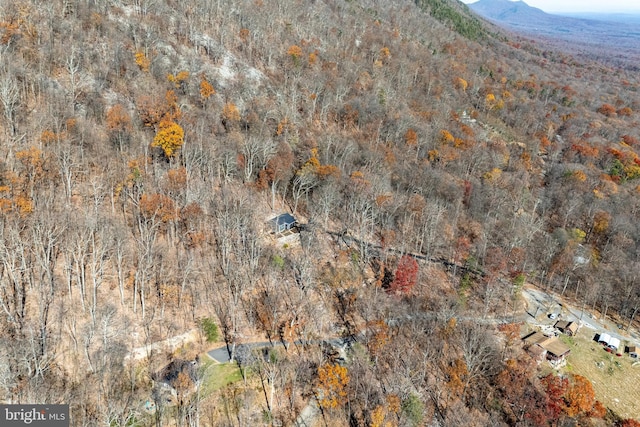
x=434, y=165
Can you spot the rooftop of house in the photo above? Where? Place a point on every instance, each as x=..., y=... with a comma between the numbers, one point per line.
x=536, y=351
x=556, y=347
x=566, y=325
x=552, y=344
x=562, y=324
x=536, y=338
x=282, y=222
x=285, y=218
x=169, y=374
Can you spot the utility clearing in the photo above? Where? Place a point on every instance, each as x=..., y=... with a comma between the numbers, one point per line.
x=615, y=379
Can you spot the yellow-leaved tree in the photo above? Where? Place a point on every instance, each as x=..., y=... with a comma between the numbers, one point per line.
x=170, y=137
x=332, y=384
x=206, y=90
x=295, y=52
x=143, y=61
x=179, y=80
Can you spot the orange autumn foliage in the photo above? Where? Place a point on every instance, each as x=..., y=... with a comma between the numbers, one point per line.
x=446, y=137
x=411, y=137
x=179, y=79
x=379, y=337
x=607, y=110
x=33, y=160
x=313, y=166
x=580, y=397
x=325, y=171
x=585, y=150
x=153, y=110
x=157, y=207
x=206, y=88
x=332, y=383
x=461, y=84
x=456, y=372
x=230, y=112
x=118, y=120
x=24, y=205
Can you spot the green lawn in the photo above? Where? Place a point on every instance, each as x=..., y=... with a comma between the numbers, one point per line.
x=218, y=375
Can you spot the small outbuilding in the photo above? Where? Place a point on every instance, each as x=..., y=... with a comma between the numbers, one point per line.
x=633, y=351
x=282, y=223
x=569, y=328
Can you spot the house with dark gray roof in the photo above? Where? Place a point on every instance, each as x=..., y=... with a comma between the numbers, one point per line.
x=282, y=223
x=179, y=374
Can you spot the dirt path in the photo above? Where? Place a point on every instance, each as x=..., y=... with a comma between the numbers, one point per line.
x=221, y=354
x=170, y=343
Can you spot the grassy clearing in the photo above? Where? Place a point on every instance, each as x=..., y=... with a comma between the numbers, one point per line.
x=218, y=376
x=615, y=381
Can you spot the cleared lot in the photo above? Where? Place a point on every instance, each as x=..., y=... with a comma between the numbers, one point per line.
x=616, y=380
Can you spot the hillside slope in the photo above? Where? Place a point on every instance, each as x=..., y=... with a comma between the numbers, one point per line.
x=433, y=165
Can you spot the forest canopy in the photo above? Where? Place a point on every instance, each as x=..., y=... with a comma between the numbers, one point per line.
x=434, y=164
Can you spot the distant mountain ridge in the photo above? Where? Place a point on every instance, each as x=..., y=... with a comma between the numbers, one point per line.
x=625, y=18
x=507, y=11
x=519, y=14
x=588, y=35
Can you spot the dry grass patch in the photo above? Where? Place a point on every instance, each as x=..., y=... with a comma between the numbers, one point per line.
x=615, y=381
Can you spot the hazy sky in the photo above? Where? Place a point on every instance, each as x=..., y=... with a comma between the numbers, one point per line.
x=563, y=6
